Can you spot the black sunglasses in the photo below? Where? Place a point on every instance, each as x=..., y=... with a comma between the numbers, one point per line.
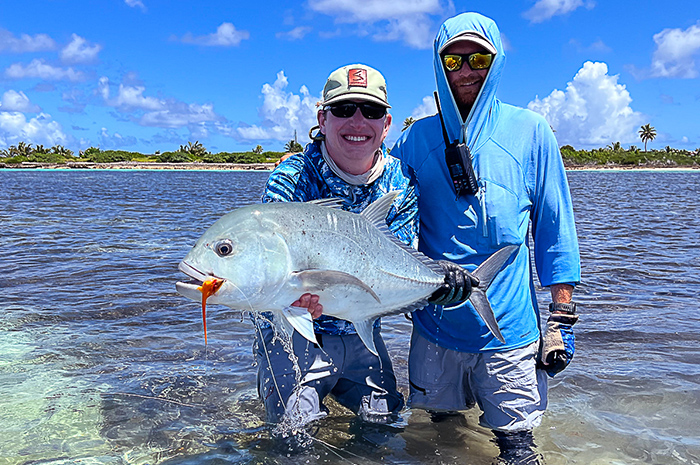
x=476, y=61
x=347, y=109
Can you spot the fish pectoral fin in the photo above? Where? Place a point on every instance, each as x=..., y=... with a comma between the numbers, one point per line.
x=319, y=280
x=301, y=320
x=365, y=329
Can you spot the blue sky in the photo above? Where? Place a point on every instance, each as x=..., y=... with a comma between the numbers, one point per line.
x=147, y=75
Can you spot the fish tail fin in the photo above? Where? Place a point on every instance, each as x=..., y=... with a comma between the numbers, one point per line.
x=485, y=273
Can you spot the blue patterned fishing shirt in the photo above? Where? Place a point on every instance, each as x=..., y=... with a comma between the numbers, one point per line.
x=306, y=176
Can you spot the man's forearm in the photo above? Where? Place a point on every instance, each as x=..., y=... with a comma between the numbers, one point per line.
x=561, y=293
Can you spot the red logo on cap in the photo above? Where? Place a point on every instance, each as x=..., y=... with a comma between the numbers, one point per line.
x=357, y=77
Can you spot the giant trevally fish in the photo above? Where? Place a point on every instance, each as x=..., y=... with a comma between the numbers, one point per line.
x=263, y=257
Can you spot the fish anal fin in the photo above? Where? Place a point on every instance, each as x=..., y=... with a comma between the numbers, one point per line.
x=319, y=280
x=365, y=329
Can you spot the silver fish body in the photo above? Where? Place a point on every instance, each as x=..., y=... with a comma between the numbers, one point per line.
x=270, y=254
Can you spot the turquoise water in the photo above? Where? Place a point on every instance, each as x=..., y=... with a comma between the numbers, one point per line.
x=102, y=362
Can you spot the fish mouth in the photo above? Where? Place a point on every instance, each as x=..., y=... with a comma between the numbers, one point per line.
x=191, y=287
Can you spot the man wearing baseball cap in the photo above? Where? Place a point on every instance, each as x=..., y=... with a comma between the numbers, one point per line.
x=347, y=160
x=495, y=175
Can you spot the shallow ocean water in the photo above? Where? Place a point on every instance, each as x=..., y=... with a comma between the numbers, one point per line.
x=101, y=361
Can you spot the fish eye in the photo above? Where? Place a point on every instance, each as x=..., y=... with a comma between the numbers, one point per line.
x=224, y=248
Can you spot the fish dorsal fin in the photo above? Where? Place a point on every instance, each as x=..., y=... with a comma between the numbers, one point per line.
x=319, y=280
x=332, y=202
x=376, y=212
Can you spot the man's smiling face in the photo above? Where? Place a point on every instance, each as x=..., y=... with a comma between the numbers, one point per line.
x=352, y=142
x=465, y=83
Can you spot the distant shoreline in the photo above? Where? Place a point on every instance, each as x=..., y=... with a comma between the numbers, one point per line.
x=630, y=168
x=130, y=165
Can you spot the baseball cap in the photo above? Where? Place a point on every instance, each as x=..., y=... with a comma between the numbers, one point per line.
x=471, y=36
x=355, y=82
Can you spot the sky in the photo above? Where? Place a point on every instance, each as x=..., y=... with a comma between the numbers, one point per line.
x=151, y=75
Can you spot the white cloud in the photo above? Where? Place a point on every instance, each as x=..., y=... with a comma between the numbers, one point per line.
x=295, y=34
x=80, y=51
x=594, y=110
x=179, y=114
x=41, y=70
x=115, y=140
x=546, y=9
x=282, y=113
x=426, y=108
x=15, y=128
x=17, y=101
x=135, y=4
x=406, y=20
x=226, y=35
x=128, y=97
x=674, y=52
x=154, y=112
x=25, y=43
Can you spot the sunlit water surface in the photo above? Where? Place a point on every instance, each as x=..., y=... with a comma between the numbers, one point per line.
x=101, y=362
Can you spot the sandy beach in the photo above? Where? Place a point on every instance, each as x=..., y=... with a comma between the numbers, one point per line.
x=130, y=165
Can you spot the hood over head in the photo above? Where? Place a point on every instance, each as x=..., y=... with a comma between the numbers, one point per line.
x=480, y=123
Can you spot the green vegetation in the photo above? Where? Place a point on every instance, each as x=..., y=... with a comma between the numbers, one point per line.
x=190, y=153
x=407, y=123
x=23, y=152
x=615, y=155
x=96, y=155
x=293, y=146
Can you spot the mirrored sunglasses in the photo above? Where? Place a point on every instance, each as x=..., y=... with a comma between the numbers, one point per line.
x=347, y=109
x=476, y=61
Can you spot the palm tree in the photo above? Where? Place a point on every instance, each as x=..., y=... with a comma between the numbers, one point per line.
x=62, y=151
x=407, y=123
x=196, y=149
x=23, y=149
x=614, y=147
x=258, y=149
x=293, y=146
x=647, y=133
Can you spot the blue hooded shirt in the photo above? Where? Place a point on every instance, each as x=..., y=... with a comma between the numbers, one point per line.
x=522, y=185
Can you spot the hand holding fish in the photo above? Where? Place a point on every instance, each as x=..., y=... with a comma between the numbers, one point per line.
x=458, y=285
x=310, y=301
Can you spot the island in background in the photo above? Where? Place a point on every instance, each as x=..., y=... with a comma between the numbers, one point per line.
x=196, y=157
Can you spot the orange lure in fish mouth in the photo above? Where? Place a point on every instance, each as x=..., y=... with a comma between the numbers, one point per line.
x=208, y=288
